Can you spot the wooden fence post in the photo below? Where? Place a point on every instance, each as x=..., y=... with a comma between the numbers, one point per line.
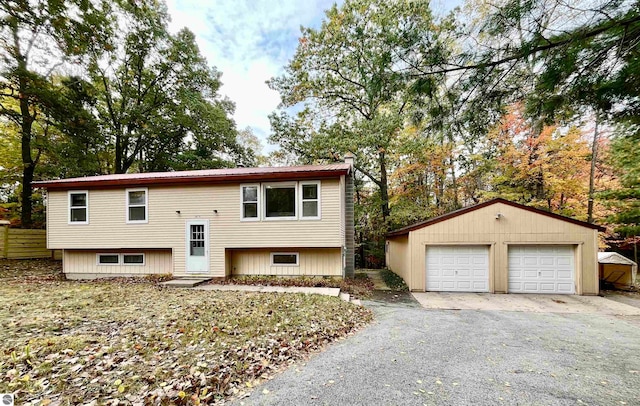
x=5, y=242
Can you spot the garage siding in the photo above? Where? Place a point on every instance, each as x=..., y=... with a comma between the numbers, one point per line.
x=398, y=256
x=515, y=226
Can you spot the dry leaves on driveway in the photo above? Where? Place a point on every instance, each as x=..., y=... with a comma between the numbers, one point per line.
x=69, y=342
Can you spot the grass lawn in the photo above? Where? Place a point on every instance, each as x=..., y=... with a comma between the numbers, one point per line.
x=64, y=342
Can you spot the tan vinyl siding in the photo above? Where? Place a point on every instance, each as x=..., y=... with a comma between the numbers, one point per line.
x=311, y=262
x=516, y=226
x=78, y=263
x=398, y=257
x=107, y=226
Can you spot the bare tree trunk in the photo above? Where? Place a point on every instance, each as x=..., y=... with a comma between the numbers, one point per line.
x=454, y=184
x=384, y=187
x=119, y=154
x=26, y=127
x=592, y=173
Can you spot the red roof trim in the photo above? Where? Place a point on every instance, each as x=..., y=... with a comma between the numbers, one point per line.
x=447, y=216
x=198, y=177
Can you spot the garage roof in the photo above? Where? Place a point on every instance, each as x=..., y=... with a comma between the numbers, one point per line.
x=434, y=220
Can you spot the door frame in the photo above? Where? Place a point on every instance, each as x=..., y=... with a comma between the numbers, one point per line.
x=187, y=229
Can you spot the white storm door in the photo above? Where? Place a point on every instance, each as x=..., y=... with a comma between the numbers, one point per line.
x=541, y=269
x=461, y=268
x=197, y=253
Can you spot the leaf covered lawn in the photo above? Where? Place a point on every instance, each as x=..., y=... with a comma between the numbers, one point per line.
x=70, y=342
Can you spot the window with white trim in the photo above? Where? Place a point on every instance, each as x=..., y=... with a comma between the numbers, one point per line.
x=113, y=258
x=133, y=259
x=250, y=195
x=310, y=200
x=108, y=259
x=78, y=207
x=284, y=259
x=137, y=205
x=280, y=201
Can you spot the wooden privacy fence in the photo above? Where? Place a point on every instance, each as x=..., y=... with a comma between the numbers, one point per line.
x=18, y=243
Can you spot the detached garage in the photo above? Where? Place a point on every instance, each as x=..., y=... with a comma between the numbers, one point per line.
x=500, y=247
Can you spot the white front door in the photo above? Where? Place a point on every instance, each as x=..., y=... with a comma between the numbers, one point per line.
x=197, y=254
x=541, y=269
x=461, y=268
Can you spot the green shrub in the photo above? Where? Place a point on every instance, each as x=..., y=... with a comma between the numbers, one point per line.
x=393, y=281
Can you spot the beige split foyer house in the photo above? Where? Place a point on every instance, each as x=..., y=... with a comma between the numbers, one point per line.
x=214, y=223
x=499, y=247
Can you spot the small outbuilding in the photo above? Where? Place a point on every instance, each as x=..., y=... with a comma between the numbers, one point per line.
x=617, y=270
x=499, y=247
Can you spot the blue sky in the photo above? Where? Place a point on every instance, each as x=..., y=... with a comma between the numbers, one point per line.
x=250, y=41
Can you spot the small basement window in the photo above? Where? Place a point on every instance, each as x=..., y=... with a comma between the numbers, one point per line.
x=133, y=259
x=108, y=259
x=284, y=259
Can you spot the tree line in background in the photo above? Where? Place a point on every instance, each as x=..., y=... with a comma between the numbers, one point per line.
x=535, y=101
x=97, y=87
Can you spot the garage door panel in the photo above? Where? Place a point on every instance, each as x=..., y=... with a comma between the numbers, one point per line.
x=464, y=285
x=457, y=268
x=549, y=261
x=541, y=269
x=479, y=273
x=565, y=287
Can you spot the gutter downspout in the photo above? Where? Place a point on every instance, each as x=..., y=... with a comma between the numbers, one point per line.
x=349, y=224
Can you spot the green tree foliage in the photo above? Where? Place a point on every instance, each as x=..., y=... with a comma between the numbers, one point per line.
x=157, y=97
x=36, y=38
x=348, y=74
x=626, y=199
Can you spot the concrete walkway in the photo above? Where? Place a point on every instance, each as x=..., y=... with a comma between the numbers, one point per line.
x=414, y=356
x=374, y=275
x=525, y=303
x=277, y=289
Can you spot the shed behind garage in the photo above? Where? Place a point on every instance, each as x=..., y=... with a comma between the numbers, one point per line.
x=617, y=270
x=500, y=247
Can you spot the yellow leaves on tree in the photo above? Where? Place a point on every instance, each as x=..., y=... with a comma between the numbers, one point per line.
x=544, y=166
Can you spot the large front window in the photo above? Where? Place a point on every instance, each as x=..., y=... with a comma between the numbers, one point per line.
x=291, y=200
x=280, y=201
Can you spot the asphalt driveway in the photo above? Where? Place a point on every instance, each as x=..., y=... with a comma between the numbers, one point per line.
x=417, y=356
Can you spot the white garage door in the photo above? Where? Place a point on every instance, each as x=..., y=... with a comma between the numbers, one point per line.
x=458, y=268
x=541, y=269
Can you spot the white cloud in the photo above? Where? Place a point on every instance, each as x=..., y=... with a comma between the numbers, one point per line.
x=249, y=42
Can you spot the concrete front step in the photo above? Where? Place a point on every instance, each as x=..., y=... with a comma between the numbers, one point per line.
x=185, y=282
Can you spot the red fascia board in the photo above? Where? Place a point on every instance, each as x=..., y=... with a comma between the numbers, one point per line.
x=447, y=216
x=189, y=180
